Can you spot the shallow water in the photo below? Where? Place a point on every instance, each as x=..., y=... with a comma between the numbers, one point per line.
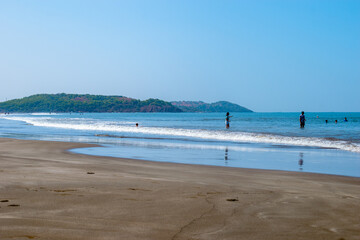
x=254, y=140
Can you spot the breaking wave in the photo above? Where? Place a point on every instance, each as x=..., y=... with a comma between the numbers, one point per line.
x=233, y=136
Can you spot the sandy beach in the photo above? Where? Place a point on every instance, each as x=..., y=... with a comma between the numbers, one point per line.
x=47, y=192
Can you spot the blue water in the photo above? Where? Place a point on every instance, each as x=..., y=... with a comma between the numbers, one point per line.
x=254, y=140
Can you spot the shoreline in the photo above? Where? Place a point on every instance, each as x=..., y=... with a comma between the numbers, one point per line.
x=96, y=145
x=198, y=164
x=58, y=194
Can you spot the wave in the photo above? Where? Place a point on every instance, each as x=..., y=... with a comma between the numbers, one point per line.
x=43, y=114
x=243, y=137
x=191, y=146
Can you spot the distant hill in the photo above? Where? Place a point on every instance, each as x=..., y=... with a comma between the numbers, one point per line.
x=85, y=103
x=98, y=103
x=198, y=106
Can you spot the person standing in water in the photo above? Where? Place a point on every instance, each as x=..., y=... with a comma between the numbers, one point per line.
x=302, y=120
x=227, y=120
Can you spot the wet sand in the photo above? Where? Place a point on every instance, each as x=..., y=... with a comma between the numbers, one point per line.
x=47, y=192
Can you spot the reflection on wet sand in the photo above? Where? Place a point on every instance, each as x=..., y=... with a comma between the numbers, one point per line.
x=226, y=155
x=301, y=161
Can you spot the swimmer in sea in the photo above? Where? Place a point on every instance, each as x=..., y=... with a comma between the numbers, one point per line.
x=227, y=120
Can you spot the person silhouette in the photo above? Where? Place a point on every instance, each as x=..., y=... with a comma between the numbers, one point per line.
x=227, y=120
x=302, y=120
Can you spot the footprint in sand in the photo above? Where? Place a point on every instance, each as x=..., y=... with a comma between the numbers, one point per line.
x=138, y=189
x=65, y=190
x=232, y=199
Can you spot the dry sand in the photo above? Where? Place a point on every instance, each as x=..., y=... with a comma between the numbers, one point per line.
x=49, y=193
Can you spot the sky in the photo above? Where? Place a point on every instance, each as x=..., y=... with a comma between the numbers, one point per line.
x=266, y=55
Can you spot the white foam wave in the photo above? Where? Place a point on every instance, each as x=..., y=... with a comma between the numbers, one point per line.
x=192, y=133
x=42, y=114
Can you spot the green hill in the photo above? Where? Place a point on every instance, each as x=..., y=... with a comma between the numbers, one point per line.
x=198, y=106
x=98, y=103
x=84, y=103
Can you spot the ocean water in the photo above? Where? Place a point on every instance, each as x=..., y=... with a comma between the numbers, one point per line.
x=254, y=140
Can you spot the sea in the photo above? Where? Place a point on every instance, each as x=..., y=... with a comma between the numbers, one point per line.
x=254, y=140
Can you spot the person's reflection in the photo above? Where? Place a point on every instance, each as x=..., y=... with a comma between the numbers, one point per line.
x=226, y=155
x=301, y=161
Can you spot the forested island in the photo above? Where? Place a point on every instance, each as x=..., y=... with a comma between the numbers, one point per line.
x=98, y=103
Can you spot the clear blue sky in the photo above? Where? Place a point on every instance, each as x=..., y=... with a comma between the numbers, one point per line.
x=266, y=55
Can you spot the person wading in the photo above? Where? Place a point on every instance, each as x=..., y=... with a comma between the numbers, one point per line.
x=302, y=120
x=227, y=120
